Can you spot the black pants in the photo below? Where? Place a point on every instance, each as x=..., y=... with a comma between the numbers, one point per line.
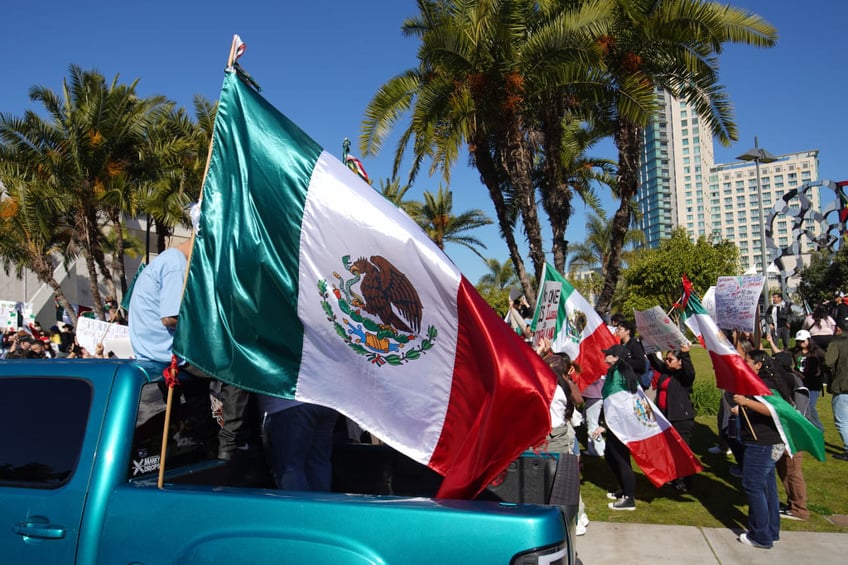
x=618, y=458
x=684, y=428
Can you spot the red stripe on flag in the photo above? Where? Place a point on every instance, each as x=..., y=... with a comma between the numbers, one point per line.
x=664, y=457
x=499, y=401
x=734, y=375
x=591, y=356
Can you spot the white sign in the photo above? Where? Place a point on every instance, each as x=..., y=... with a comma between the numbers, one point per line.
x=90, y=332
x=548, y=313
x=658, y=331
x=8, y=314
x=736, y=301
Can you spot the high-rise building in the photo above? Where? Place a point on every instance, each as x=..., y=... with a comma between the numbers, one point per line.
x=677, y=154
x=681, y=185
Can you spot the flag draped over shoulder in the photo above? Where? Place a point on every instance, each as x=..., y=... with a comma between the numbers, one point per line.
x=732, y=373
x=305, y=283
x=579, y=330
x=654, y=444
x=798, y=433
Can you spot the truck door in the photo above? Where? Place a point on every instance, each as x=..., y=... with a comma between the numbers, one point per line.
x=45, y=455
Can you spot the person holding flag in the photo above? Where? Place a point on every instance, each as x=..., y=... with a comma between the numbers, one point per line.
x=620, y=376
x=763, y=448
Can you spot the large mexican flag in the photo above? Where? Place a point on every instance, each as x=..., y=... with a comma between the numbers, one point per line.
x=305, y=283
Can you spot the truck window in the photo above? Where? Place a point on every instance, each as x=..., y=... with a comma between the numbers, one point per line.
x=43, y=422
x=192, y=434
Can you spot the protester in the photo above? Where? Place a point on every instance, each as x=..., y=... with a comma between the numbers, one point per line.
x=624, y=330
x=777, y=315
x=763, y=448
x=809, y=363
x=836, y=358
x=820, y=325
x=839, y=312
x=673, y=381
x=298, y=442
x=789, y=468
x=563, y=407
x=154, y=308
x=620, y=375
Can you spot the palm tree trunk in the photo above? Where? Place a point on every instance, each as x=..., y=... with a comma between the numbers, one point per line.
x=518, y=160
x=44, y=272
x=84, y=230
x=118, y=258
x=627, y=138
x=488, y=173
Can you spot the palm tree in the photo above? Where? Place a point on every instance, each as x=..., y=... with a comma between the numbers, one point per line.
x=595, y=250
x=673, y=45
x=484, y=69
x=438, y=221
x=396, y=194
x=84, y=156
x=500, y=276
x=573, y=173
x=33, y=234
x=176, y=154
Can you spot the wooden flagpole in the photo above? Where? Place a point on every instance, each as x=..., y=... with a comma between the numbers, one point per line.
x=173, y=371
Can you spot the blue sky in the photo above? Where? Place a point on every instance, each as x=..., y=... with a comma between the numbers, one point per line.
x=321, y=61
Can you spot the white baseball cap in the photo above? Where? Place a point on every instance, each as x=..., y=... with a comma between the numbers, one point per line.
x=802, y=335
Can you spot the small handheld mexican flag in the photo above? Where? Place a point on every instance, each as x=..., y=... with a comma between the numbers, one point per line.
x=571, y=324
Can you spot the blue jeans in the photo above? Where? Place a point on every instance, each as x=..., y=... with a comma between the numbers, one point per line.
x=839, y=403
x=814, y=414
x=760, y=486
x=299, y=447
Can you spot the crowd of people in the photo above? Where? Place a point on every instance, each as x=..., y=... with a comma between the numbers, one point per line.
x=801, y=372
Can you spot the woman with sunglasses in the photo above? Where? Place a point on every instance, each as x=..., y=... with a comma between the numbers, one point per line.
x=673, y=378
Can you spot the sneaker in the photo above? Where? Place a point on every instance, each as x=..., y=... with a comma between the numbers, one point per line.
x=743, y=538
x=623, y=503
x=735, y=471
x=583, y=519
x=789, y=515
x=615, y=495
x=580, y=530
x=841, y=456
x=718, y=450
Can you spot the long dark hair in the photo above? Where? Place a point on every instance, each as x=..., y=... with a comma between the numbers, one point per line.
x=626, y=370
x=771, y=374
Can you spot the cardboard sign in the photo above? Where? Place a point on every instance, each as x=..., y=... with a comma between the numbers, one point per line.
x=657, y=331
x=546, y=325
x=91, y=332
x=736, y=300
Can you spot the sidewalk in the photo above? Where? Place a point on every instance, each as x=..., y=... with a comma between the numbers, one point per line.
x=620, y=544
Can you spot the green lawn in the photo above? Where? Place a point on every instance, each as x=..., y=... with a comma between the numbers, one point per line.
x=716, y=498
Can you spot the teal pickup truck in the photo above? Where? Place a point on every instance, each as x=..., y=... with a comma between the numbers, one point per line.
x=79, y=463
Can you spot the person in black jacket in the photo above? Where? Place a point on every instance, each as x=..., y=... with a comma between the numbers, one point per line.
x=624, y=330
x=673, y=379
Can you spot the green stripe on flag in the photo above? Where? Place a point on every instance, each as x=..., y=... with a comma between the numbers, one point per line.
x=248, y=246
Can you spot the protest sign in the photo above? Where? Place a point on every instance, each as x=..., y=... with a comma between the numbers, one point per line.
x=657, y=331
x=91, y=332
x=736, y=300
x=549, y=304
x=8, y=314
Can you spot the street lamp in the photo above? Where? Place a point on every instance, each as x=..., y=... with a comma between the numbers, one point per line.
x=758, y=155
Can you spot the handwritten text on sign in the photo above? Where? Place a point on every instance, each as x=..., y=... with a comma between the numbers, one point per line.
x=658, y=331
x=548, y=312
x=736, y=301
